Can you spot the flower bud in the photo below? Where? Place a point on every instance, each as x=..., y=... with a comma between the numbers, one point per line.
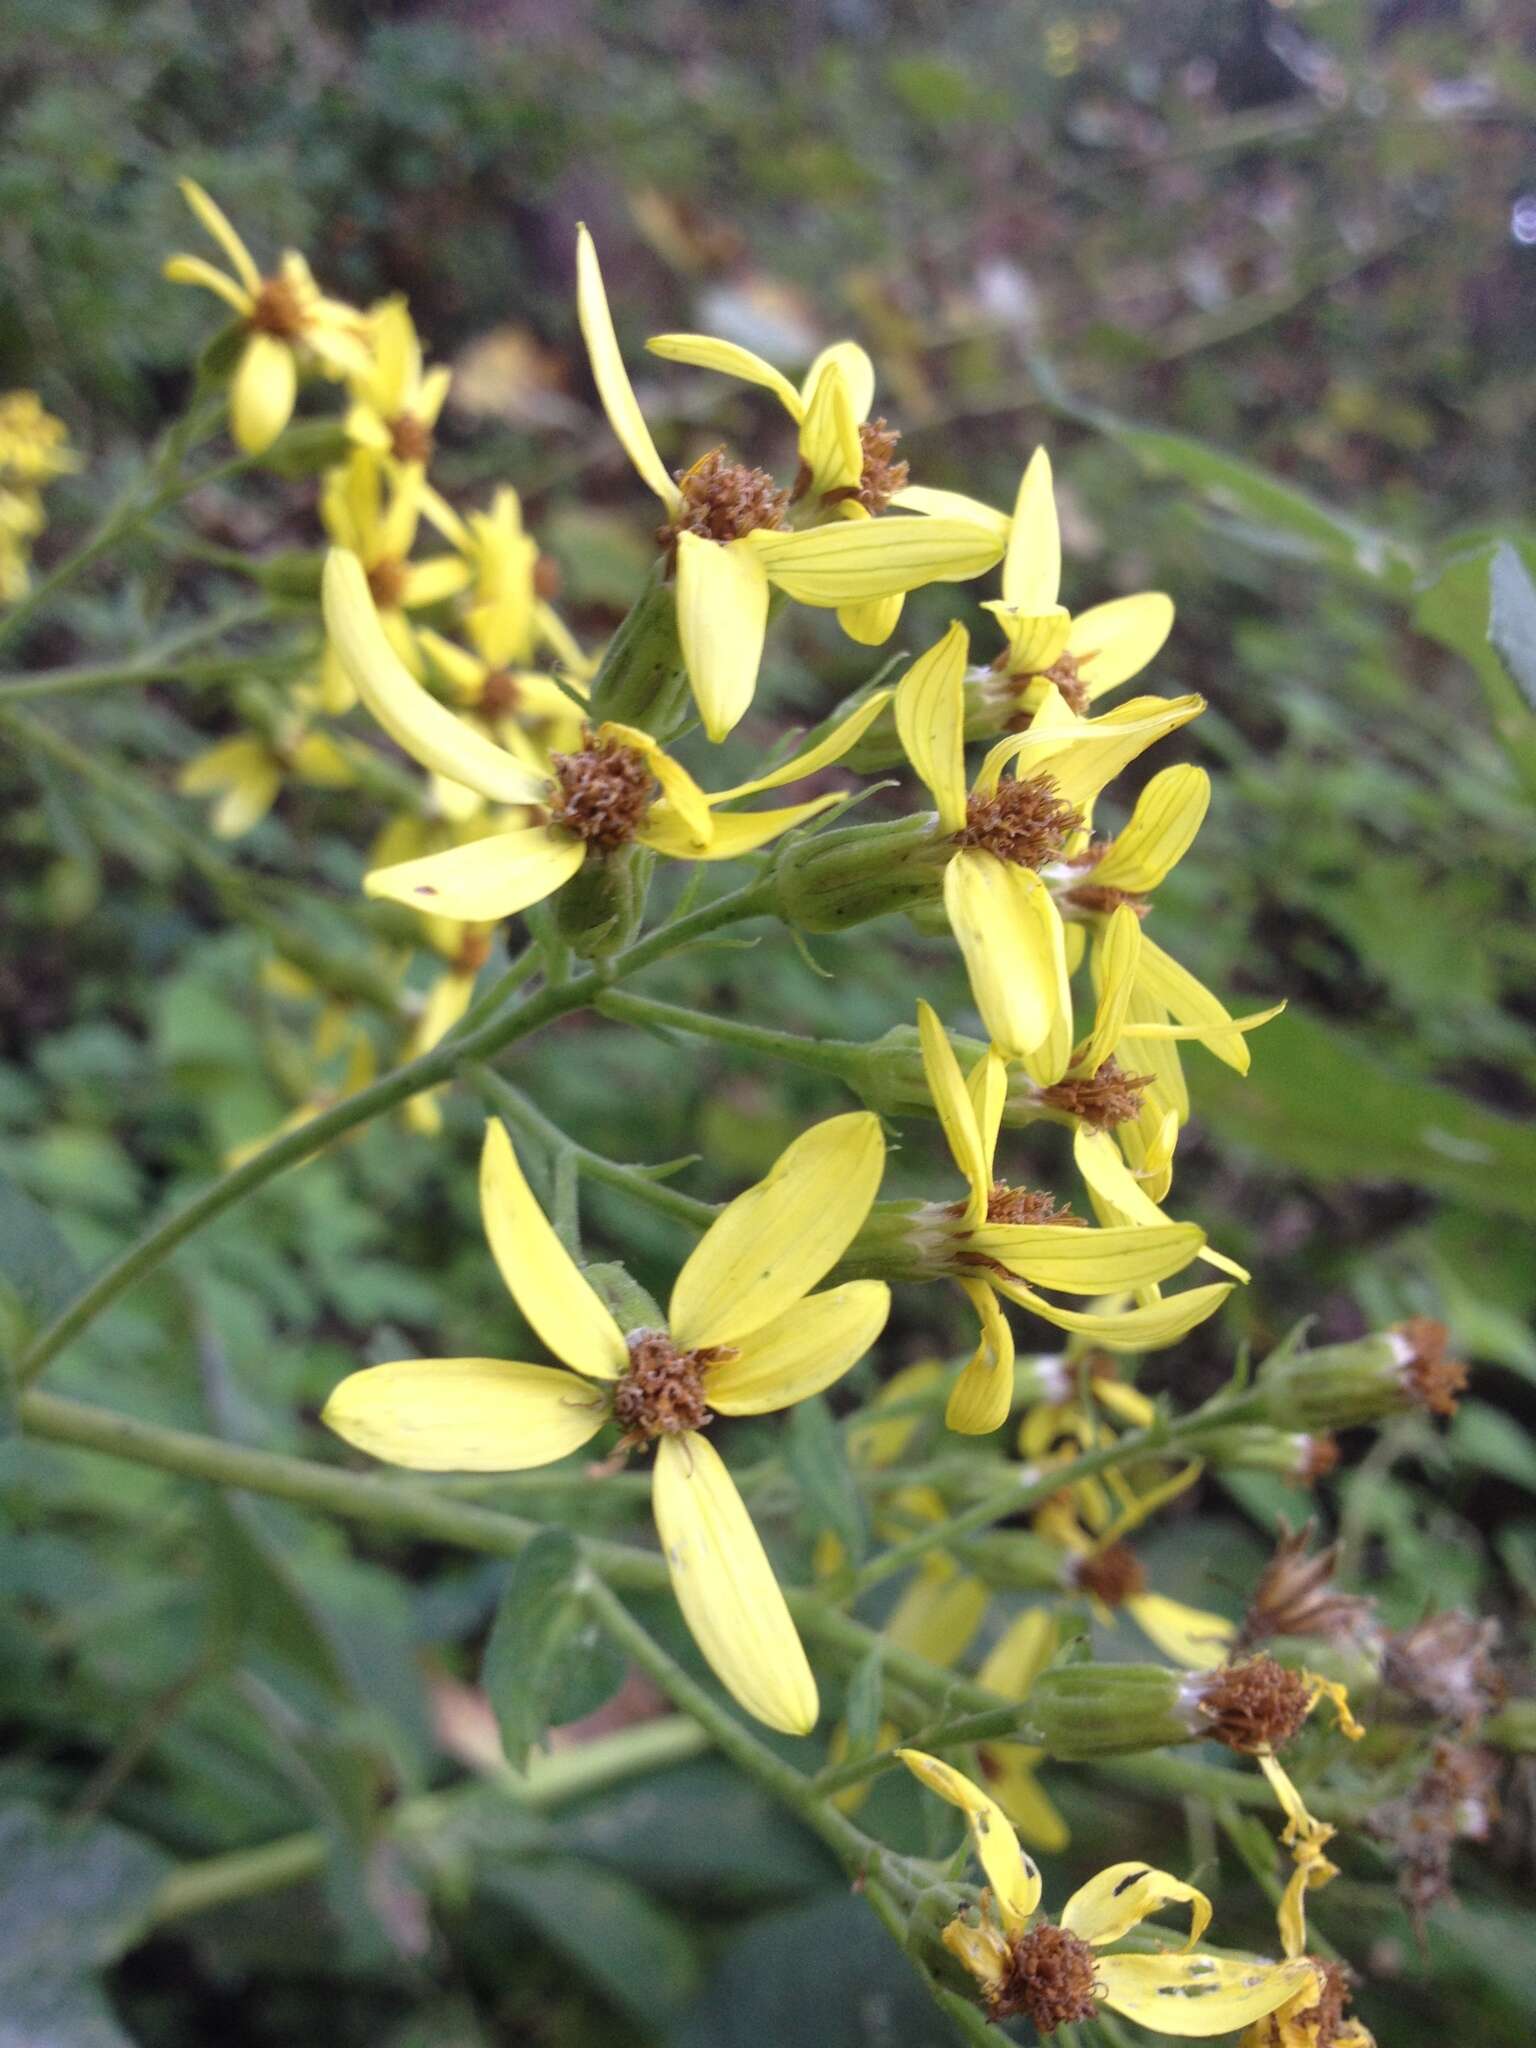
x=900, y=1241
x=599, y=911
x=1257, y=1447
x=1078, y=1711
x=843, y=878
x=1340, y=1385
x=641, y=680
x=987, y=711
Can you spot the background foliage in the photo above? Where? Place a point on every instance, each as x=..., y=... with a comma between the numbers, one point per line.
x=1264, y=279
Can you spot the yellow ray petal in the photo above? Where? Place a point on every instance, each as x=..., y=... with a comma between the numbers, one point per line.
x=1190, y=1002
x=1115, y=641
x=987, y=1086
x=486, y=880
x=683, y=795
x=832, y=748
x=705, y=352
x=1036, y=640
x=722, y=616
x=726, y=1588
x=873, y=622
x=1122, y=1896
x=247, y=801
x=1085, y=755
x=465, y=1414
x=1012, y=1875
x=261, y=393
x=1020, y=1653
x=1089, y=1261
x=938, y=1614
x=930, y=721
x=953, y=505
x=849, y=560
x=801, y=1351
x=1009, y=932
x=1197, y=1995
x=981, y=1397
x=1011, y=1774
x=1119, y=951
x=732, y=833
x=856, y=369
x=1147, y=1328
x=956, y=1111
x=829, y=435
x=611, y=377
x=769, y=1247
x=1032, y=566
x=1119, y=1197
x=1186, y=1635
x=541, y=1276
x=1168, y=814
x=429, y=582
x=197, y=270
x=427, y=731
x=216, y=221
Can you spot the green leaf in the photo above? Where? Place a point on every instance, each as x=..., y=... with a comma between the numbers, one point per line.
x=1488, y=1440
x=546, y=1661
x=633, y=1952
x=816, y=1456
x=862, y=1712
x=38, y=1273
x=257, y=1601
x=1458, y=608
x=1512, y=619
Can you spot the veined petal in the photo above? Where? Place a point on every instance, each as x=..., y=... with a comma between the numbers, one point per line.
x=832, y=748
x=1187, y=1636
x=1085, y=756
x=1036, y=639
x=732, y=833
x=830, y=446
x=1011, y=1770
x=987, y=1086
x=541, y=1276
x=1197, y=1995
x=1020, y=1653
x=1009, y=932
x=953, y=505
x=1168, y=814
x=956, y=1111
x=261, y=393
x=981, y=1397
x=1113, y=642
x=1032, y=566
x=1190, y=1002
x=216, y=221
x=770, y=1247
x=726, y=1588
x=465, y=673
x=873, y=622
x=722, y=616
x=1120, y=1897
x=706, y=352
x=1119, y=951
x=930, y=722
x=1012, y=1875
x=1089, y=1261
x=1118, y=1196
x=427, y=730
x=466, y=1414
x=198, y=270
x=856, y=369
x=681, y=792
x=849, y=560
x=1147, y=1328
x=486, y=880
x=611, y=377
x=799, y=1352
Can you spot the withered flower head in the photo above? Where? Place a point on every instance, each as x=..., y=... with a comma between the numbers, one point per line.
x=1445, y=1666
x=1429, y=1376
x=1453, y=1801
x=1295, y=1596
x=1049, y=1978
x=1253, y=1705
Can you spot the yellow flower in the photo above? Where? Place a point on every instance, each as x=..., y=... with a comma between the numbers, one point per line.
x=1011, y=1667
x=1013, y=839
x=464, y=948
x=246, y=775
x=525, y=712
x=510, y=620
x=395, y=401
x=33, y=444
x=745, y=1336
x=287, y=320
x=1001, y=1241
x=1313, y=2018
x=1054, y=1973
x=725, y=525
x=598, y=800
x=1104, y=1569
x=1085, y=657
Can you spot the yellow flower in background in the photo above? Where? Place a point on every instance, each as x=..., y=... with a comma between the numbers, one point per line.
x=726, y=536
x=288, y=321
x=510, y=619
x=396, y=402
x=745, y=1335
x=1054, y=1972
x=527, y=713
x=1005, y=1241
x=620, y=788
x=1013, y=838
x=34, y=451
x=246, y=775
x=1103, y=1567
x=1011, y=1769
x=1084, y=657
x=337, y=1059
x=464, y=950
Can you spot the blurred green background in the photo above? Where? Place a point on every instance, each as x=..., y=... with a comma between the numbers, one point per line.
x=1264, y=279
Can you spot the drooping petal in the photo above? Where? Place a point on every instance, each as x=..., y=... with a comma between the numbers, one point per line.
x=873, y=622
x=832, y=748
x=611, y=377
x=706, y=352
x=1190, y=1002
x=732, y=833
x=1012, y=1875
x=466, y=1414
x=1195, y=1996
x=1011, y=1768
x=1036, y=640
x=829, y=435
x=1168, y=814
x=856, y=370
x=722, y=616
x=541, y=1276
x=198, y=270
x=1032, y=566
x=726, y=1588
x=981, y=1397
x=1009, y=932
x=486, y=880
x=849, y=560
x=1113, y=642
x=1086, y=754
x=956, y=1111
x=930, y=722
x=1188, y=1636
x=1119, y=1197
x=771, y=1246
x=1121, y=1897
x=427, y=730
x=1089, y=1261
x=953, y=505
x=807, y=1348
x=261, y=393
x=1147, y=1328
x=216, y=221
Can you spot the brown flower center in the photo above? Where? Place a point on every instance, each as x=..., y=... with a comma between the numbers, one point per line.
x=1431, y=1378
x=602, y=793
x=410, y=439
x=723, y=500
x=1025, y=822
x=1049, y=1978
x=1113, y=1575
x=662, y=1393
x=1107, y=1097
x=1323, y=2020
x=546, y=578
x=500, y=694
x=1065, y=672
x=386, y=582
x=278, y=309
x=881, y=476
x=474, y=951
x=1255, y=1705
x=1026, y=1205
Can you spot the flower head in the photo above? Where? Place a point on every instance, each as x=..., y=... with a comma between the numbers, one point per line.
x=395, y=400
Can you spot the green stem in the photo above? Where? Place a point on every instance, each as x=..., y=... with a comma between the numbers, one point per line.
x=164, y=662
x=992, y=1723
x=839, y=1057
x=507, y=983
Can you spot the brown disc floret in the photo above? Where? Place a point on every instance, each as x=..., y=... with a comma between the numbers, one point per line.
x=1253, y=1706
x=881, y=476
x=410, y=439
x=1024, y=821
x=278, y=309
x=1430, y=1377
x=601, y=793
x=1049, y=1978
x=386, y=583
x=722, y=501
x=1106, y=1097
x=662, y=1391
x=1114, y=1574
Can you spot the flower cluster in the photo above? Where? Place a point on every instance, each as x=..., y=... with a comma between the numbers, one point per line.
x=34, y=450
